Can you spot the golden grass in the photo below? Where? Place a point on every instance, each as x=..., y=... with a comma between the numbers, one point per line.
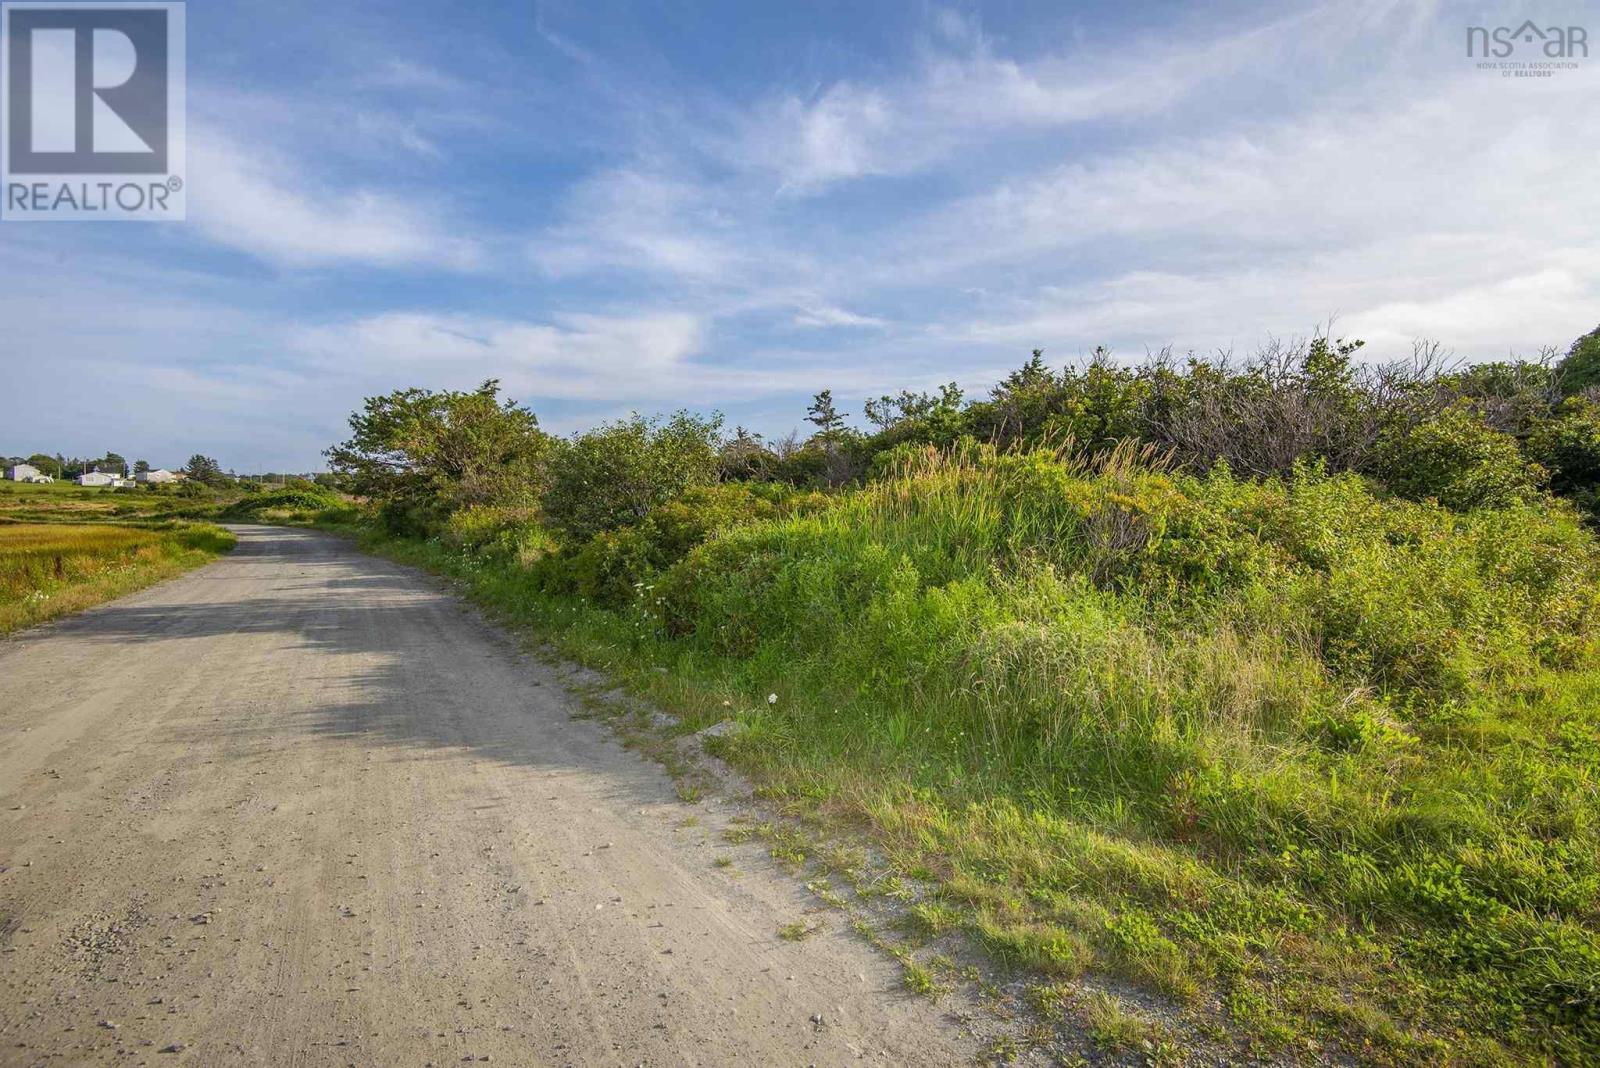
x=50, y=539
x=49, y=570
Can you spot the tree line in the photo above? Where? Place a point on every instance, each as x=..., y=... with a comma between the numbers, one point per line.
x=1424, y=426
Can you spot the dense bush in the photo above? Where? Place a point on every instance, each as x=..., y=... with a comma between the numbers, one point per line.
x=1458, y=460
x=613, y=475
x=1580, y=371
x=1291, y=402
x=1408, y=599
x=1514, y=397
x=504, y=532
x=1568, y=445
x=256, y=505
x=614, y=567
x=1466, y=436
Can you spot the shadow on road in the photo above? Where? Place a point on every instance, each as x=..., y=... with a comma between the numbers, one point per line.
x=308, y=634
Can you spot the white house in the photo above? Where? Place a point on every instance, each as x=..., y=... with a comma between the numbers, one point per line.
x=103, y=478
x=24, y=473
x=155, y=476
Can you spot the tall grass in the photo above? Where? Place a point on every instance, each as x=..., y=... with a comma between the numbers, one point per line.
x=49, y=570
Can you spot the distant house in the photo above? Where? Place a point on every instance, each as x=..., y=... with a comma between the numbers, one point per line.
x=25, y=473
x=157, y=476
x=104, y=478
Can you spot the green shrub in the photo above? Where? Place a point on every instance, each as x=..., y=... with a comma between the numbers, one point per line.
x=412, y=517
x=508, y=532
x=1568, y=445
x=614, y=567
x=1407, y=598
x=1413, y=598
x=816, y=463
x=281, y=504
x=614, y=475
x=1580, y=371
x=1459, y=461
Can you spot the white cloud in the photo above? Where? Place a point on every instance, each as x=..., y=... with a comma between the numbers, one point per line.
x=385, y=129
x=649, y=360
x=634, y=219
x=1459, y=211
x=1462, y=157
x=829, y=315
x=963, y=92
x=1488, y=308
x=1519, y=314
x=588, y=357
x=400, y=73
x=847, y=132
x=272, y=209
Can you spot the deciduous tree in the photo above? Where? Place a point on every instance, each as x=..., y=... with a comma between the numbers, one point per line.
x=423, y=454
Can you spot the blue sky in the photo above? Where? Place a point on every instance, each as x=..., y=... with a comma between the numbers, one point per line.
x=617, y=207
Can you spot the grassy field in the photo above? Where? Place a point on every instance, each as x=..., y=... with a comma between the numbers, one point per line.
x=1292, y=767
x=53, y=569
x=67, y=501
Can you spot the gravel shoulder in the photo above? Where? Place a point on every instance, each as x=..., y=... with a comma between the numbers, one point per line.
x=300, y=807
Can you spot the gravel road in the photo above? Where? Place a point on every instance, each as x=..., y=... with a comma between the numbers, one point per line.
x=300, y=807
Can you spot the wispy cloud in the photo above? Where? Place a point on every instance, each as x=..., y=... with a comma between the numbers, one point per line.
x=963, y=91
x=589, y=357
x=632, y=219
x=619, y=357
x=274, y=208
x=1343, y=175
x=1402, y=219
x=399, y=72
x=828, y=315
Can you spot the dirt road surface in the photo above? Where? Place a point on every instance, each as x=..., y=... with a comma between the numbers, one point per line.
x=300, y=807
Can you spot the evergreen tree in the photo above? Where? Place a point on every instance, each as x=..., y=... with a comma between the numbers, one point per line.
x=824, y=415
x=204, y=469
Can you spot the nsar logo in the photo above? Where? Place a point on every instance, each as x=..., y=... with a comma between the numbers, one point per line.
x=1551, y=42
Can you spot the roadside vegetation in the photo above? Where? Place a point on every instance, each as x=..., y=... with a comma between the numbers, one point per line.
x=1269, y=690
x=53, y=569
